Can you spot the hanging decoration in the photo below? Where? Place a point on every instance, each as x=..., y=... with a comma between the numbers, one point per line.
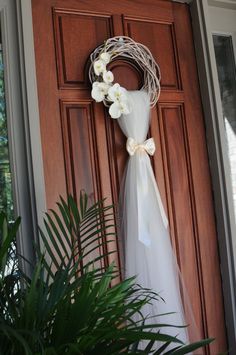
x=148, y=250
x=112, y=94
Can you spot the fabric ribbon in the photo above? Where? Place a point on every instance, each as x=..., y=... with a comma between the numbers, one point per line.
x=148, y=146
x=142, y=185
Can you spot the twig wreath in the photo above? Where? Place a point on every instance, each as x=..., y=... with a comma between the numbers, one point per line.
x=112, y=94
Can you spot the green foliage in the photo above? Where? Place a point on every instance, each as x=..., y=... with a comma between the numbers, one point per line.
x=3, y=126
x=68, y=305
x=5, y=175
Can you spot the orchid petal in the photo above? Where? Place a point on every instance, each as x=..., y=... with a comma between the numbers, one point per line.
x=114, y=110
x=112, y=92
x=103, y=87
x=106, y=57
x=125, y=107
x=117, y=93
x=97, y=94
x=108, y=77
x=99, y=67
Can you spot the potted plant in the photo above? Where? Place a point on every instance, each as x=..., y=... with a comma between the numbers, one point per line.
x=68, y=305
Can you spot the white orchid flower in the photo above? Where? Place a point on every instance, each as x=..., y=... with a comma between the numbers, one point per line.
x=106, y=57
x=119, y=108
x=108, y=77
x=99, y=91
x=99, y=67
x=117, y=93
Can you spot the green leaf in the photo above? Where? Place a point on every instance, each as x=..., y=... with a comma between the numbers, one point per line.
x=191, y=347
x=8, y=234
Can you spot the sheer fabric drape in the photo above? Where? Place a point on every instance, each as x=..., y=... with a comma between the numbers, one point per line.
x=148, y=250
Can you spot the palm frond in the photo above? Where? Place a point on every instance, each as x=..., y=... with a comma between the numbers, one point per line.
x=68, y=305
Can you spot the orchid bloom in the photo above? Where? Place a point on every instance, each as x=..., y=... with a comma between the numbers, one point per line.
x=104, y=90
x=106, y=57
x=117, y=93
x=119, y=108
x=99, y=91
x=99, y=67
x=108, y=77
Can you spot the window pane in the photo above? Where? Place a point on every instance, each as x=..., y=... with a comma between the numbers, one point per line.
x=6, y=200
x=225, y=61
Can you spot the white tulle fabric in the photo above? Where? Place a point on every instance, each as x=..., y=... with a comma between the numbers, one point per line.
x=148, y=250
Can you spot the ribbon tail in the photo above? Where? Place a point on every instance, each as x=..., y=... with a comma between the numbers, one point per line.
x=142, y=196
x=143, y=230
x=159, y=201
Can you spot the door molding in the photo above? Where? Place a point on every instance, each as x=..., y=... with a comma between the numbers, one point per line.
x=210, y=100
x=30, y=99
x=230, y=4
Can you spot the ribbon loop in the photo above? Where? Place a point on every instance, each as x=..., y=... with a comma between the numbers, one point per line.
x=148, y=146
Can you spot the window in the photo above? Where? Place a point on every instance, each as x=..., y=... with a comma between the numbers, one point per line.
x=225, y=61
x=6, y=199
x=16, y=173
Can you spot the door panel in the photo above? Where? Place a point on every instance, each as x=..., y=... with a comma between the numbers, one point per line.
x=81, y=160
x=159, y=38
x=71, y=52
x=84, y=149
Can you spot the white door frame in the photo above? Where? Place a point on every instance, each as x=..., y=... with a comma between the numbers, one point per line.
x=213, y=115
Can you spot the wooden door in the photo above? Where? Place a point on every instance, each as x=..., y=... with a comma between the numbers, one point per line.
x=84, y=149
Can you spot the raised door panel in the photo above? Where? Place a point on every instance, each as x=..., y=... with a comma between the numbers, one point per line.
x=84, y=159
x=159, y=37
x=176, y=157
x=80, y=149
x=76, y=35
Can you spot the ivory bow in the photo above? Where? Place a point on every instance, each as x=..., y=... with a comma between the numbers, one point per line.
x=132, y=146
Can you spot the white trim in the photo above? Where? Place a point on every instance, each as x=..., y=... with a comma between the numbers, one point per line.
x=229, y=4
x=226, y=4
x=31, y=106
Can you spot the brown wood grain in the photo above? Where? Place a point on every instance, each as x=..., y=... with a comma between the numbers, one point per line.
x=83, y=148
x=204, y=220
